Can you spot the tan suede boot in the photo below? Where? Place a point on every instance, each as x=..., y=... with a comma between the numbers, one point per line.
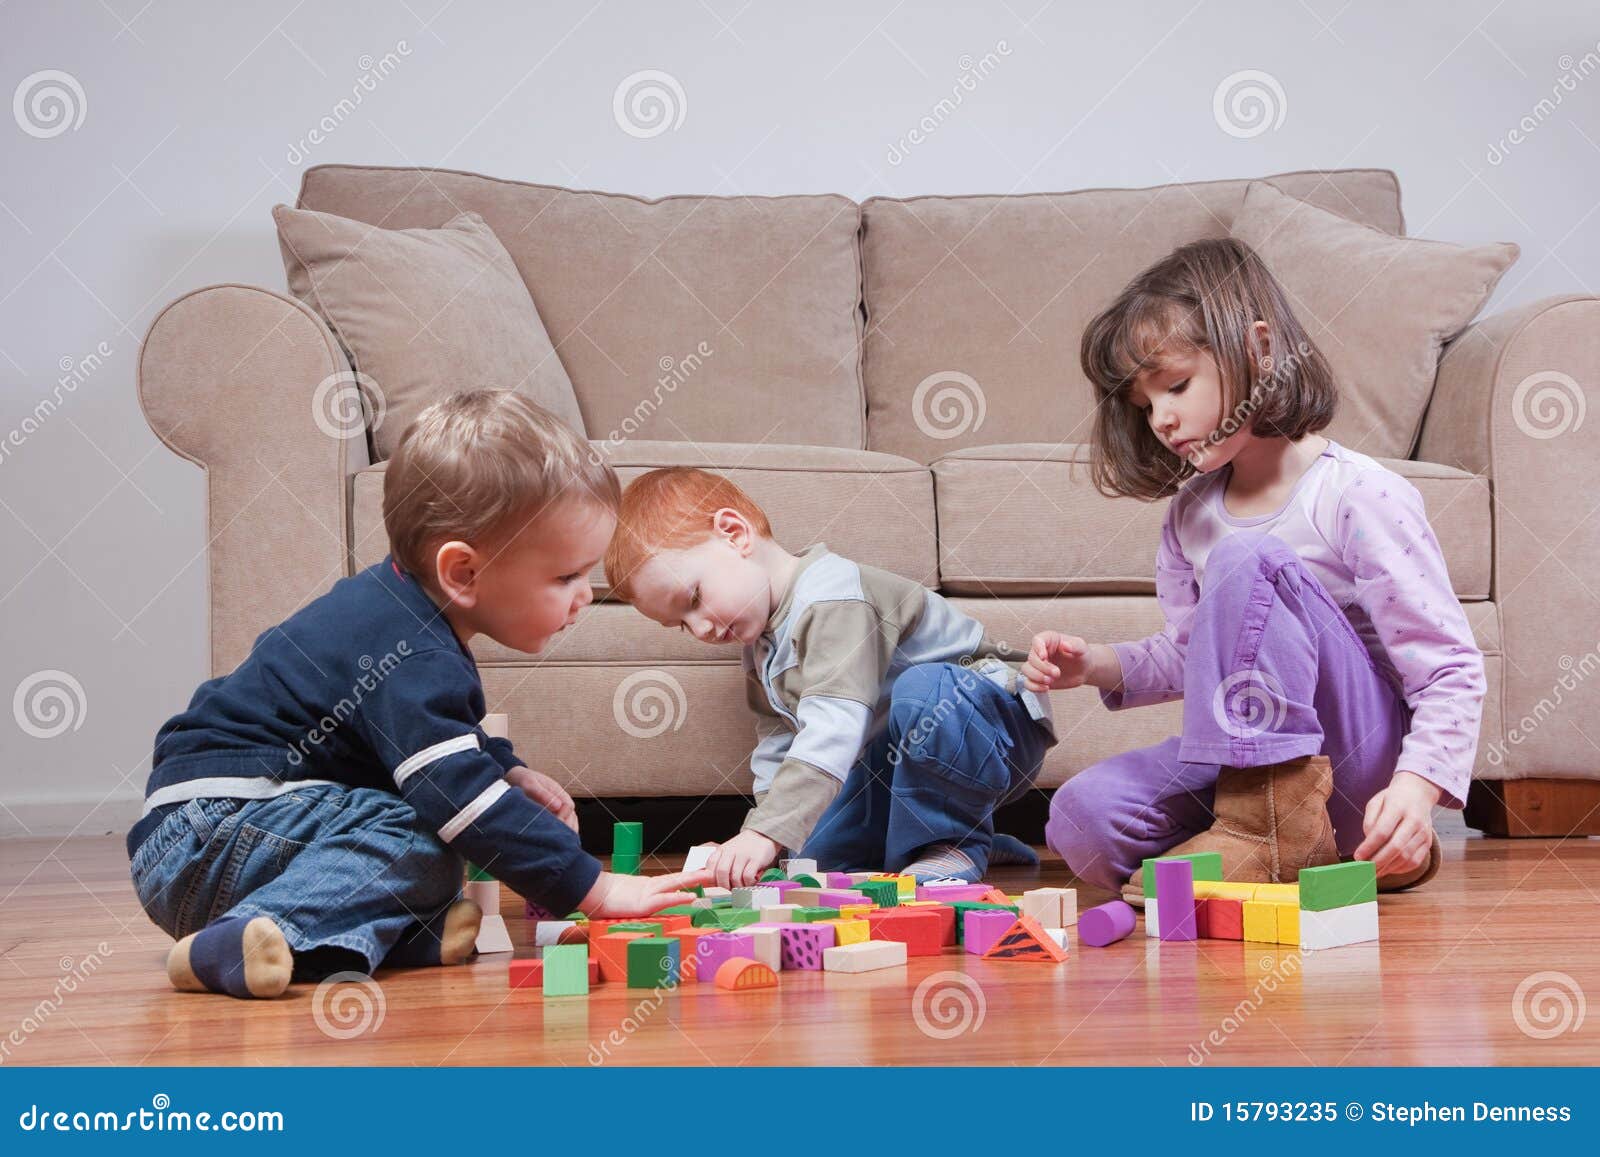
x=1405, y=881
x=1268, y=823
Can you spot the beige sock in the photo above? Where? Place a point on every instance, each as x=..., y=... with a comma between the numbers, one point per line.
x=268, y=962
x=461, y=923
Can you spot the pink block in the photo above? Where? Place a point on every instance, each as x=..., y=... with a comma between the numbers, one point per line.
x=1175, y=887
x=803, y=945
x=950, y=893
x=828, y=898
x=1108, y=923
x=784, y=887
x=983, y=927
x=838, y=880
x=716, y=947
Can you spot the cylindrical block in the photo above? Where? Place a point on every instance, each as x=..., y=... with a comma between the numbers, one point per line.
x=1106, y=924
x=627, y=838
x=1175, y=893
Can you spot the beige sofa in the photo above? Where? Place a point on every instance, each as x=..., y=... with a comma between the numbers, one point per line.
x=899, y=379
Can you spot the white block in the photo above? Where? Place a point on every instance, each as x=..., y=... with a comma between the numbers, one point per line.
x=1052, y=907
x=486, y=893
x=699, y=856
x=1152, y=926
x=717, y=893
x=548, y=932
x=493, y=936
x=1356, y=924
x=793, y=868
x=769, y=944
x=756, y=897
x=778, y=913
x=1059, y=935
x=864, y=956
x=1069, y=907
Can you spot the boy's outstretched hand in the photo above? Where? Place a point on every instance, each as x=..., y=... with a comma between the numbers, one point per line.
x=1056, y=662
x=614, y=895
x=1399, y=824
x=545, y=792
x=739, y=862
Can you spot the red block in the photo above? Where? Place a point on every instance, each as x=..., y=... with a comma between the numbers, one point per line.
x=1224, y=919
x=919, y=929
x=527, y=974
x=947, y=921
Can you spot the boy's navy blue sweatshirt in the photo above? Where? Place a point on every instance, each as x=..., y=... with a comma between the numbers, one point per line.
x=368, y=686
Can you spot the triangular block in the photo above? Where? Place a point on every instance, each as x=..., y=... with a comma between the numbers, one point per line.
x=1027, y=940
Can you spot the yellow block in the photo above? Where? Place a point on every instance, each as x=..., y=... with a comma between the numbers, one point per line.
x=854, y=931
x=851, y=911
x=1278, y=893
x=1289, y=923
x=1260, y=922
x=1224, y=890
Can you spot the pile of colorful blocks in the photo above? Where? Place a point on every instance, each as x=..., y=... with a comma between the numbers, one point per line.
x=1186, y=898
x=796, y=919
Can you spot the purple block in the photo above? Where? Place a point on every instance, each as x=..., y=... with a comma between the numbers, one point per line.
x=950, y=893
x=828, y=898
x=981, y=927
x=713, y=949
x=803, y=945
x=1175, y=887
x=1110, y=922
x=783, y=886
x=838, y=880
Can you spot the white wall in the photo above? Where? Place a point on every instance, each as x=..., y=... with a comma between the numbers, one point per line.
x=195, y=124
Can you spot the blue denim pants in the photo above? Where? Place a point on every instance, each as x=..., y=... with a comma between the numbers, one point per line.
x=955, y=746
x=340, y=870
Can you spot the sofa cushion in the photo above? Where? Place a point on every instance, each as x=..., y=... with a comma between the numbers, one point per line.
x=1378, y=307
x=1027, y=520
x=422, y=313
x=705, y=318
x=975, y=305
x=873, y=508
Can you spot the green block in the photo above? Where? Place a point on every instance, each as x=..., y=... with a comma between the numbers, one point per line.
x=625, y=863
x=627, y=838
x=813, y=915
x=652, y=962
x=476, y=873
x=962, y=907
x=772, y=874
x=648, y=927
x=566, y=970
x=883, y=893
x=1207, y=866
x=806, y=881
x=727, y=919
x=578, y=916
x=1338, y=885
x=698, y=890
x=679, y=910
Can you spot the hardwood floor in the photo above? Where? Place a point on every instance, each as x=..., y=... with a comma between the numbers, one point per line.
x=82, y=982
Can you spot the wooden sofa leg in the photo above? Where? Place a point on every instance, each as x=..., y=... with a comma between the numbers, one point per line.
x=1534, y=807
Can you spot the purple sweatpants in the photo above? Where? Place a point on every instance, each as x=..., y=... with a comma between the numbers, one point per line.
x=1273, y=671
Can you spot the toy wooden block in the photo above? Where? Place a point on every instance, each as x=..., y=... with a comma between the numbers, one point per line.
x=547, y=932
x=1106, y=924
x=784, y=887
x=962, y=907
x=1152, y=919
x=1026, y=941
x=493, y=935
x=758, y=897
x=672, y=923
x=1052, y=907
x=648, y=927
x=699, y=856
x=803, y=945
x=1059, y=935
x=1276, y=893
x=1207, y=866
x=627, y=839
x=566, y=970
x=950, y=893
x=767, y=940
x=527, y=974
x=866, y=956
x=1221, y=918
x=798, y=867
x=1227, y=890
x=947, y=918
x=922, y=932
x=837, y=897
x=727, y=919
x=850, y=931
x=1336, y=927
x=1260, y=922
x=714, y=894
x=721, y=946
x=772, y=876
x=1175, y=891
x=983, y=928
x=855, y=911
x=625, y=863
x=653, y=962
x=996, y=896
x=1338, y=886
x=689, y=940
x=611, y=951
x=1288, y=923
x=778, y=913
x=810, y=915
x=807, y=881
x=883, y=893
x=841, y=880
x=739, y=973
x=905, y=886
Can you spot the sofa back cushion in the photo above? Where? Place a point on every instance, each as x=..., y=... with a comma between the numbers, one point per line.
x=722, y=319
x=976, y=304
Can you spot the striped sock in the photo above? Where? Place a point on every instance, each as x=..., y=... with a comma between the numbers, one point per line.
x=942, y=862
x=238, y=955
x=1010, y=850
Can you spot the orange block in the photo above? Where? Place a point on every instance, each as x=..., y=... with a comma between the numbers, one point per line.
x=740, y=972
x=996, y=896
x=671, y=924
x=688, y=956
x=1027, y=940
x=611, y=950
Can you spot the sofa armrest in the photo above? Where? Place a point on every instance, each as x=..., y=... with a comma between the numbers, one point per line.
x=252, y=387
x=1510, y=403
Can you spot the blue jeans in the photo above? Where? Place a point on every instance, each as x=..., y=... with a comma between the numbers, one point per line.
x=955, y=746
x=340, y=870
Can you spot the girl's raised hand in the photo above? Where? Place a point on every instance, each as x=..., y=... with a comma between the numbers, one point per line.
x=1055, y=662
